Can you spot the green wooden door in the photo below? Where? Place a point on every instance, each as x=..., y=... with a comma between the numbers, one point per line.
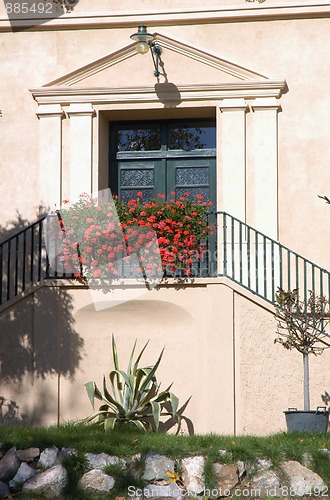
x=163, y=157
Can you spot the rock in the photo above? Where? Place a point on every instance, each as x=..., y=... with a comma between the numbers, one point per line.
x=302, y=481
x=226, y=454
x=156, y=466
x=266, y=483
x=226, y=477
x=49, y=483
x=193, y=474
x=97, y=481
x=28, y=455
x=4, y=489
x=24, y=473
x=64, y=453
x=264, y=464
x=241, y=470
x=98, y=461
x=48, y=457
x=9, y=465
x=156, y=491
x=306, y=459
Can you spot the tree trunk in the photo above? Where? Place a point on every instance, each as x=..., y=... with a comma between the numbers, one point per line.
x=307, y=405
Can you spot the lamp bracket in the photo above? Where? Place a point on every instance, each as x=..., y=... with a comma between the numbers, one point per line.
x=156, y=50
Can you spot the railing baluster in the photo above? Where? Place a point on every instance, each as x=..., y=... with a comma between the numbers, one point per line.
x=273, y=271
x=297, y=272
x=224, y=228
x=232, y=248
x=8, y=269
x=16, y=266
x=281, y=267
x=1, y=272
x=32, y=256
x=39, y=249
x=24, y=261
x=256, y=261
x=265, y=266
x=289, y=269
x=305, y=281
x=240, y=253
x=248, y=253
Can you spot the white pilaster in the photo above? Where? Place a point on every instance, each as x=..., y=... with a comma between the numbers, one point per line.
x=50, y=154
x=262, y=169
x=231, y=157
x=81, y=149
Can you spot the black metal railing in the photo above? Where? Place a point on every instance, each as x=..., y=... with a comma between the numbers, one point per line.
x=238, y=251
x=24, y=261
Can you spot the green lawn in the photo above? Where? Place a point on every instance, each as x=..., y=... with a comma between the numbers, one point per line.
x=126, y=442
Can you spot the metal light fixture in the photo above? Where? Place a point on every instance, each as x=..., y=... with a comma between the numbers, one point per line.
x=145, y=41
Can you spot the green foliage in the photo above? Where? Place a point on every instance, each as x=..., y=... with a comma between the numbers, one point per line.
x=301, y=324
x=123, y=479
x=75, y=465
x=135, y=397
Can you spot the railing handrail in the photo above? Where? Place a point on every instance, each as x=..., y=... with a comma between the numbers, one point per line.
x=25, y=229
x=272, y=240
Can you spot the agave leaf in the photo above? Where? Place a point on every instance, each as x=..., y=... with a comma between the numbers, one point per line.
x=95, y=415
x=115, y=353
x=113, y=401
x=118, y=394
x=93, y=392
x=149, y=376
x=109, y=424
x=129, y=368
x=174, y=403
x=139, y=424
x=155, y=413
x=116, y=361
x=140, y=356
x=125, y=377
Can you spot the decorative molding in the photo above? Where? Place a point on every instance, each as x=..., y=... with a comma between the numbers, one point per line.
x=172, y=17
x=94, y=67
x=265, y=103
x=233, y=105
x=130, y=95
x=80, y=109
x=49, y=110
x=181, y=48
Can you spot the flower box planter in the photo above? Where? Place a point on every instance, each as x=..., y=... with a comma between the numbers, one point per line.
x=307, y=420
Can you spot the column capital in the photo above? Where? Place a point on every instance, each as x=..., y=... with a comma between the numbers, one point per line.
x=80, y=109
x=265, y=103
x=233, y=104
x=49, y=110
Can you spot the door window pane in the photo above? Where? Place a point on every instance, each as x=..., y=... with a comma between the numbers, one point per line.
x=188, y=136
x=193, y=192
x=188, y=176
x=137, y=137
x=129, y=194
x=137, y=177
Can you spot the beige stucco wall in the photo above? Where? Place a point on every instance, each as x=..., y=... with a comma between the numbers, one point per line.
x=294, y=50
x=219, y=349
x=215, y=337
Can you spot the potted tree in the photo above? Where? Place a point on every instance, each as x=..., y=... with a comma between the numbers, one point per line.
x=301, y=325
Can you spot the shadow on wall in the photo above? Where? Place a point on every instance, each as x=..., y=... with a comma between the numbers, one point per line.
x=38, y=337
x=37, y=340
x=15, y=225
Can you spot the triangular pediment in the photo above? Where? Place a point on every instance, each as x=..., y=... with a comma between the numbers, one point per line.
x=180, y=63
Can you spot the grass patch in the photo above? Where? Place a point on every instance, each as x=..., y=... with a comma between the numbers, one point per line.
x=128, y=442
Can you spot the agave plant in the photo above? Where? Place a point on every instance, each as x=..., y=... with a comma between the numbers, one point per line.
x=135, y=396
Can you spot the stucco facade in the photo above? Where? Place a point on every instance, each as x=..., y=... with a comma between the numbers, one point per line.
x=260, y=71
